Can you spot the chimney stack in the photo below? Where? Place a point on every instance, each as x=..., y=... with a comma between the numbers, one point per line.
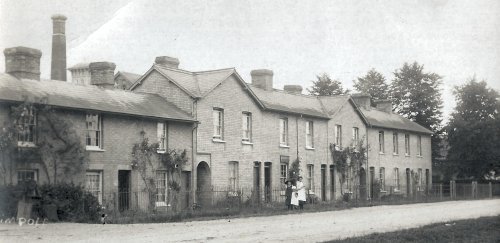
x=58, y=67
x=169, y=62
x=23, y=62
x=102, y=74
x=293, y=89
x=384, y=105
x=262, y=78
x=362, y=100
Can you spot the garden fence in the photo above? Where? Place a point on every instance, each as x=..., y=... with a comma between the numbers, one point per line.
x=218, y=197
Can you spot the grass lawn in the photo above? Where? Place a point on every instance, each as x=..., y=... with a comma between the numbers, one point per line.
x=485, y=229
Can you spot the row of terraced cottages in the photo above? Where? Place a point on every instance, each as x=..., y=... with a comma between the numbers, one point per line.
x=237, y=135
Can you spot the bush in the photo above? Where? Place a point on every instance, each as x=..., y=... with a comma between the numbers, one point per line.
x=72, y=201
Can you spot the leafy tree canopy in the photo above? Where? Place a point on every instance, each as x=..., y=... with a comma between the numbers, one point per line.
x=374, y=84
x=474, y=131
x=326, y=86
x=417, y=96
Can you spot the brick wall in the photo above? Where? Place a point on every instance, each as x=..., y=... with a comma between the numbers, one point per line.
x=156, y=83
x=265, y=146
x=119, y=133
x=348, y=118
x=390, y=160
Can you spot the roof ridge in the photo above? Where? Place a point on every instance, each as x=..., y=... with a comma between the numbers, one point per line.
x=174, y=69
x=214, y=70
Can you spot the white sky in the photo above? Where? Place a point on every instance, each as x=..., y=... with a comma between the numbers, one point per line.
x=296, y=39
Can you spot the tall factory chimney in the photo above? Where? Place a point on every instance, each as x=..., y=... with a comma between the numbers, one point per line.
x=58, y=68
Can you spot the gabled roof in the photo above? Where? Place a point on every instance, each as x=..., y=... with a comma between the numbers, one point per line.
x=196, y=84
x=130, y=78
x=281, y=101
x=68, y=95
x=382, y=119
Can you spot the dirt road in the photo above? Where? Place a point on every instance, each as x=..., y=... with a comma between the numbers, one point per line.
x=303, y=227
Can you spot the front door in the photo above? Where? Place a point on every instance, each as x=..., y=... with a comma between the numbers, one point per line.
x=408, y=182
x=256, y=182
x=332, y=182
x=323, y=182
x=123, y=190
x=267, y=181
x=372, y=181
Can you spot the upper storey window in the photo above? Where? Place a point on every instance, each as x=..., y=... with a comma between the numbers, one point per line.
x=93, y=137
x=26, y=127
x=218, y=123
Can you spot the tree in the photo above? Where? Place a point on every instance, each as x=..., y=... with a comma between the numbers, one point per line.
x=349, y=161
x=146, y=160
x=325, y=86
x=417, y=96
x=474, y=131
x=374, y=84
x=57, y=147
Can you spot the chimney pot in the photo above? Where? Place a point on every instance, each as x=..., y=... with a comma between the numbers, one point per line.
x=58, y=64
x=294, y=89
x=262, y=78
x=169, y=62
x=23, y=62
x=384, y=105
x=102, y=74
x=362, y=100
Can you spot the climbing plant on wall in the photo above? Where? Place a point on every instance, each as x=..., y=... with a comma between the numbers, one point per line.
x=53, y=142
x=349, y=162
x=147, y=160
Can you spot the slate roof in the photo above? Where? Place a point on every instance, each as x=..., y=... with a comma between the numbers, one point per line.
x=68, y=95
x=332, y=104
x=130, y=78
x=279, y=100
x=198, y=84
x=378, y=118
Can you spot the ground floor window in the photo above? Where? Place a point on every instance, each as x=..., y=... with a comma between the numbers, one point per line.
x=396, y=179
x=310, y=177
x=233, y=176
x=161, y=188
x=382, y=178
x=26, y=175
x=93, y=184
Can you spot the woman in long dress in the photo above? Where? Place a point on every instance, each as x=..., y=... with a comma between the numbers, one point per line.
x=294, y=201
x=301, y=191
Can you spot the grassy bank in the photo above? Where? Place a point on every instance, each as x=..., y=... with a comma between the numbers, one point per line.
x=485, y=229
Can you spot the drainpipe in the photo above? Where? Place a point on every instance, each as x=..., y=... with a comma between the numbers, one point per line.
x=297, y=134
x=194, y=150
x=367, y=164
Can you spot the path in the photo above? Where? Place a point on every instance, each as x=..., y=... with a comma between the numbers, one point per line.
x=304, y=227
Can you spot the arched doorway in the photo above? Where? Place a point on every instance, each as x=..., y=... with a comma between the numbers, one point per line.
x=362, y=183
x=203, y=184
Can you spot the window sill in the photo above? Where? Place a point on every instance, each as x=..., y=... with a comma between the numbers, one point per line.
x=95, y=149
x=246, y=143
x=382, y=153
x=26, y=145
x=407, y=155
x=420, y=156
x=161, y=151
x=395, y=154
x=216, y=140
x=284, y=146
x=310, y=148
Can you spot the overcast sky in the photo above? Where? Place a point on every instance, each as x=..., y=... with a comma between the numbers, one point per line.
x=296, y=39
